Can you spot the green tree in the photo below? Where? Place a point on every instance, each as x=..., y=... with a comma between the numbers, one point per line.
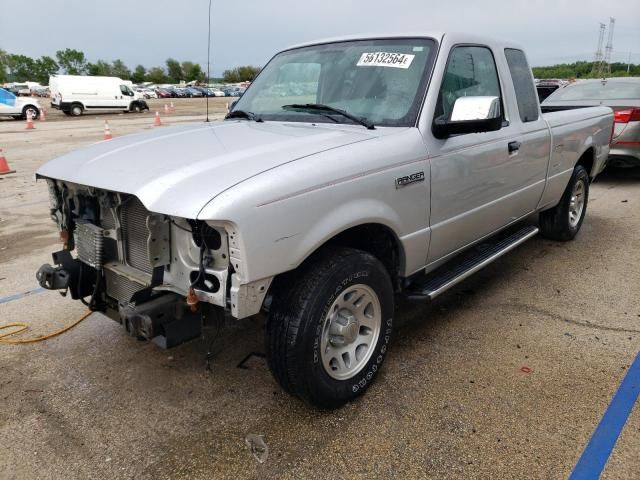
x=21, y=67
x=72, y=61
x=174, y=70
x=193, y=71
x=3, y=66
x=99, y=69
x=120, y=70
x=245, y=73
x=139, y=74
x=156, y=75
x=44, y=67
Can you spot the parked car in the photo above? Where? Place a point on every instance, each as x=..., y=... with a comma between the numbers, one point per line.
x=215, y=92
x=18, y=107
x=548, y=86
x=622, y=94
x=402, y=177
x=193, y=92
x=179, y=92
x=233, y=91
x=163, y=93
x=148, y=93
x=75, y=94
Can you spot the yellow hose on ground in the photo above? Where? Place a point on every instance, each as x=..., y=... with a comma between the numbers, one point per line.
x=23, y=327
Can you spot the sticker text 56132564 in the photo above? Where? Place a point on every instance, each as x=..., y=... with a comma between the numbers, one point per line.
x=385, y=59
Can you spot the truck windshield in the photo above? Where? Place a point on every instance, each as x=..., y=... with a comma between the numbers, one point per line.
x=381, y=81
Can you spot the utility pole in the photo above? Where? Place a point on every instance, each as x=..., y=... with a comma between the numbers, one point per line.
x=629, y=63
x=597, y=61
x=609, y=48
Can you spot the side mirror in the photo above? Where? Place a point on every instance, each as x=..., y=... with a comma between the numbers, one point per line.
x=470, y=115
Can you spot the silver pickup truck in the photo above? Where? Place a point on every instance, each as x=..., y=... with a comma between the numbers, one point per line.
x=352, y=170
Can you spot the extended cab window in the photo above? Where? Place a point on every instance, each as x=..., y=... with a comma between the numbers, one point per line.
x=522, y=79
x=471, y=71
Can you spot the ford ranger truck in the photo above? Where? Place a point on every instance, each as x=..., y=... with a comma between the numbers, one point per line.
x=352, y=170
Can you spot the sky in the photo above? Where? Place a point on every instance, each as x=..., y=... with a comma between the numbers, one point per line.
x=251, y=31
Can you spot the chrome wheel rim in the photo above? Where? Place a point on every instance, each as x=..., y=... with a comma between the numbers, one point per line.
x=576, y=204
x=31, y=113
x=350, y=332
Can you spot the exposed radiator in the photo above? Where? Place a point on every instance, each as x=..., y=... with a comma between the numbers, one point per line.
x=133, y=219
x=89, y=241
x=120, y=287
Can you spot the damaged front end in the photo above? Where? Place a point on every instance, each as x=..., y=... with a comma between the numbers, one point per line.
x=159, y=276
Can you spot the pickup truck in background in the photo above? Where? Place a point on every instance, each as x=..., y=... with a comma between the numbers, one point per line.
x=352, y=170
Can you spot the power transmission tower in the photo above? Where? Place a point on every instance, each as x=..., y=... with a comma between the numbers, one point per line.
x=597, y=61
x=609, y=48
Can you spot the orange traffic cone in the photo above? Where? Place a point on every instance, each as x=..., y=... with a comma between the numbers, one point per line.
x=43, y=114
x=29, y=122
x=172, y=108
x=4, y=166
x=157, y=121
x=166, y=108
x=107, y=131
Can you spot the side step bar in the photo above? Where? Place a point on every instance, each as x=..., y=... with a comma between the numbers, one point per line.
x=453, y=272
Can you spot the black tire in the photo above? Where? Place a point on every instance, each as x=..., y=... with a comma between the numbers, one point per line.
x=35, y=113
x=301, y=304
x=556, y=223
x=76, y=110
x=136, y=108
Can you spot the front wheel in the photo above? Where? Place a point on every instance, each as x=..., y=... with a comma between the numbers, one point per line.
x=329, y=326
x=563, y=221
x=76, y=110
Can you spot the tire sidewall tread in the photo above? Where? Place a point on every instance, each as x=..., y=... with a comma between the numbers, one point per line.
x=294, y=327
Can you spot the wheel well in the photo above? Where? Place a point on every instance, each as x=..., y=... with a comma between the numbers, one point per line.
x=378, y=240
x=586, y=160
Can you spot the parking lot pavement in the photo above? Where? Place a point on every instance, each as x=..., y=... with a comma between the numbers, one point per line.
x=505, y=376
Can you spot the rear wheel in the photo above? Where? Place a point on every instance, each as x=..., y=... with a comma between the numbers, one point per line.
x=30, y=111
x=563, y=221
x=329, y=327
x=136, y=108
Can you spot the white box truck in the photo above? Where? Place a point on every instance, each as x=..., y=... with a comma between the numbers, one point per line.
x=75, y=94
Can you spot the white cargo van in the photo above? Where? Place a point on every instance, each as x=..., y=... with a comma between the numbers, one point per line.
x=75, y=94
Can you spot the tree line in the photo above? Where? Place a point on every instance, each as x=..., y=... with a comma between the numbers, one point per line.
x=584, y=70
x=21, y=68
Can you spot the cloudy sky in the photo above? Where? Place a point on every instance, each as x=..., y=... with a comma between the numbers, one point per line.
x=250, y=31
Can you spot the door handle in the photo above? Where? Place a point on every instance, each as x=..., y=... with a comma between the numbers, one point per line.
x=513, y=147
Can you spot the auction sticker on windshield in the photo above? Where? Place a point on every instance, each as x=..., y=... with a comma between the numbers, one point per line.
x=385, y=59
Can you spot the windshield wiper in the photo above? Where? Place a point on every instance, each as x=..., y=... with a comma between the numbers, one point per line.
x=327, y=108
x=243, y=114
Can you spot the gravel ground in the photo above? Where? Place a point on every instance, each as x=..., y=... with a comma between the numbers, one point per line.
x=451, y=402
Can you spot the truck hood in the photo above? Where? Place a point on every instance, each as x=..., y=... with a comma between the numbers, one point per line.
x=177, y=171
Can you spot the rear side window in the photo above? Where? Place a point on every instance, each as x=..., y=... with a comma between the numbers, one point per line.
x=471, y=71
x=523, y=84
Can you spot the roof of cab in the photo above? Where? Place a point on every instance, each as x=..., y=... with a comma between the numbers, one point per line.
x=453, y=37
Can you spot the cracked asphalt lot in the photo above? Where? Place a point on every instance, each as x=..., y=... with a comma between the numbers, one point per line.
x=505, y=376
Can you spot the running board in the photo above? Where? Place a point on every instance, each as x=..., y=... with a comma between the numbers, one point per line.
x=455, y=271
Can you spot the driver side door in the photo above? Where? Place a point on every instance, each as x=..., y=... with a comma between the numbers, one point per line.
x=474, y=176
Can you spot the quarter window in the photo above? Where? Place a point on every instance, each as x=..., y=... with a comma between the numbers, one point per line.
x=521, y=77
x=471, y=71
